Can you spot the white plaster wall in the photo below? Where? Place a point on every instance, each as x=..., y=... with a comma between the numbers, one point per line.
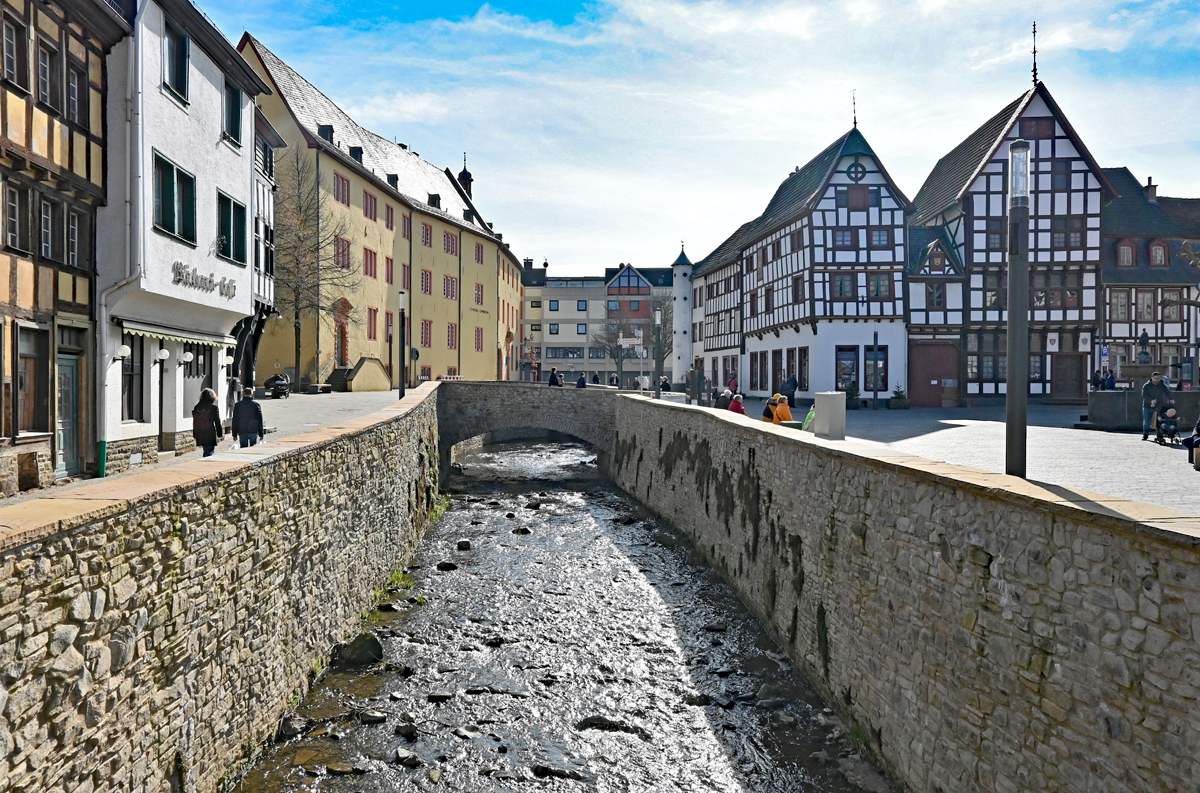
x=822, y=347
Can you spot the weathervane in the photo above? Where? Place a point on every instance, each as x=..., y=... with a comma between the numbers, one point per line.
x=1035, y=79
x=854, y=106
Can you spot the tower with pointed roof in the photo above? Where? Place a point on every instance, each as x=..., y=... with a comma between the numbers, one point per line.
x=681, y=314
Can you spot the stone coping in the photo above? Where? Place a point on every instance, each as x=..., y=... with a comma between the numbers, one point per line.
x=38, y=518
x=1134, y=517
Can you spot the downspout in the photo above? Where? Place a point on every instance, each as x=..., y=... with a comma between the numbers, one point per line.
x=317, y=327
x=460, y=291
x=133, y=162
x=408, y=331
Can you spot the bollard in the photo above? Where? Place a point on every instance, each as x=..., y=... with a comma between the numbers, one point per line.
x=829, y=419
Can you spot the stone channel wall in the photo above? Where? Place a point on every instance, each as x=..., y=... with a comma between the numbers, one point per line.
x=153, y=627
x=983, y=633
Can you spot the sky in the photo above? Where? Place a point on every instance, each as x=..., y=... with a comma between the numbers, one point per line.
x=610, y=131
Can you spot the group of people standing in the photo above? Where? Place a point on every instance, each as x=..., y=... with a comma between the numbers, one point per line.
x=247, y=423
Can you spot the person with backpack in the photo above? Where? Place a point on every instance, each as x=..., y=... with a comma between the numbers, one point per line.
x=206, y=422
x=769, y=409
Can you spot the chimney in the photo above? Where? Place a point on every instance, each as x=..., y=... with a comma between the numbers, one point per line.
x=467, y=215
x=403, y=146
x=356, y=154
x=326, y=131
x=1151, y=190
x=528, y=265
x=394, y=181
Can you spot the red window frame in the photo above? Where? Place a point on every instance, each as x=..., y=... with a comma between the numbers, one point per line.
x=426, y=373
x=405, y=226
x=389, y=269
x=341, y=252
x=341, y=189
x=426, y=333
x=427, y=235
x=427, y=282
x=405, y=277
x=370, y=263
x=452, y=335
x=370, y=206
x=450, y=287
x=450, y=243
x=389, y=217
x=372, y=320
x=479, y=253
x=479, y=294
x=478, y=339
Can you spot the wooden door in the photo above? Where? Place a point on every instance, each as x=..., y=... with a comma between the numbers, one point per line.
x=1067, y=380
x=929, y=365
x=68, y=416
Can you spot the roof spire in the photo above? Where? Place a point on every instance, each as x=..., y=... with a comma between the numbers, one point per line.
x=854, y=106
x=1035, y=79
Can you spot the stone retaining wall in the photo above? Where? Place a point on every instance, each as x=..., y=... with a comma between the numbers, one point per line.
x=153, y=627
x=985, y=633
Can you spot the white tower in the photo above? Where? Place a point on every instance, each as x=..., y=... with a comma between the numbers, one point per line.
x=681, y=308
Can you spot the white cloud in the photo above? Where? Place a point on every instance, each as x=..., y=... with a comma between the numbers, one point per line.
x=647, y=121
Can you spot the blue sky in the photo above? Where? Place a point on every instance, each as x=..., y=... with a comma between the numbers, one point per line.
x=610, y=130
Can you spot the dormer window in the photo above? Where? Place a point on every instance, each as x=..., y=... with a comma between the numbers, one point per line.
x=435, y=200
x=1158, y=254
x=1125, y=255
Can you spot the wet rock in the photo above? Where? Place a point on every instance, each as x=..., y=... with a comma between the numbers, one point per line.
x=292, y=726
x=344, y=769
x=535, y=504
x=372, y=717
x=717, y=642
x=770, y=691
x=400, y=669
x=493, y=503
x=861, y=773
x=625, y=520
x=782, y=721
x=476, y=690
x=446, y=567
x=435, y=775
x=510, y=515
x=746, y=697
x=611, y=725
x=716, y=627
x=464, y=545
x=457, y=468
x=724, y=671
x=477, y=523
x=396, y=696
x=387, y=607
x=521, y=530
x=437, y=697
x=553, y=772
x=303, y=757
x=822, y=757
x=407, y=730
x=467, y=733
x=699, y=699
x=496, y=641
x=723, y=702
x=364, y=649
x=406, y=758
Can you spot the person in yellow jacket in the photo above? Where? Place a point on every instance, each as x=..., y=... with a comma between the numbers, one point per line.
x=782, y=411
x=769, y=408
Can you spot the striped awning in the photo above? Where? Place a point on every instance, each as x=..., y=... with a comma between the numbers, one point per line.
x=174, y=334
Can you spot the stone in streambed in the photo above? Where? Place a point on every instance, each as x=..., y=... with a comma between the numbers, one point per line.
x=406, y=758
x=292, y=727
x=716, y=627
x=437, y=697
x=364, y=649
x=520, y=530
x=535, y=504
x=446, y=567
x=407, y=730
x=510, y=515
x=372, y=717
x=467, y=733
x=464, y=545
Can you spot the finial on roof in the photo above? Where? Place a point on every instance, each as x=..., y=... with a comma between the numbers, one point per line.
x=854, y=106
x=1035, y=79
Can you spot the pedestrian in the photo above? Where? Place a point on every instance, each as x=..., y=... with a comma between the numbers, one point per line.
x=664, y=384
x=582, y=381
x=247, y=425
x=1097, y=381
x=614, y=381
x=1110, y=382
x=206, y=422
x=782, y=412
x=736, y=405
x=595, y=378
x=554, y=378
x=1155, y=394
x=731, y=383
x=724, y=400
x=769, y=408
x=789, y=388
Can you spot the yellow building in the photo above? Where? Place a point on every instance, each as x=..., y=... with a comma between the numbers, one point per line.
x=409, y=236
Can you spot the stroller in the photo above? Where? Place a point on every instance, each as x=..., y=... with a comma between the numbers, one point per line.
x=1168, y=427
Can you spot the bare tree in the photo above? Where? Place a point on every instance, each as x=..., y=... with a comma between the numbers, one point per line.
x=310, y=282
x=663, y=344
x=605, y=337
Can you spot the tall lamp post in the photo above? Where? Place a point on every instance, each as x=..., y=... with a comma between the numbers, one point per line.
x=658, y=353
x=403, y=352
x=1017, y=395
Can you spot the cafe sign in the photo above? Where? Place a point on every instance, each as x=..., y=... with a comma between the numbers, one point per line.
x=191, y=278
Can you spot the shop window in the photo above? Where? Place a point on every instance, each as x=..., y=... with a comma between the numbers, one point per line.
x=132, y=383
x=875, y=371
x=33, y=380
x=846, y=368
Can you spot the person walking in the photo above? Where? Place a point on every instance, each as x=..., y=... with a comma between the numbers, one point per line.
x=206, y=422
x=782, y=412
x=614, y=381
x=247, y=424
x=724, y=401
x=582, y=381
x=1155, y=394
x=554, y=380
x=731, y=384
x=595, y=378
x=789, y=388
x=736, y=405
x=664, y=384
x=769, y=408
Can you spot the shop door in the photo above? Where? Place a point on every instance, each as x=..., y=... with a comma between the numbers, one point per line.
x=68, y=463
x=930, y=365
x=1067, y=376
x=777, y=372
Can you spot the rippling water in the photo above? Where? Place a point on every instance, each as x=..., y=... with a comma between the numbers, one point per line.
x=576, y=645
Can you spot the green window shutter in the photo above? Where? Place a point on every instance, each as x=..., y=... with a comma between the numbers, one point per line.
x=187, y=202
x=239, y=233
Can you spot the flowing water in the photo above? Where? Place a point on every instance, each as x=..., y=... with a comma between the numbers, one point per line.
x=575, y=645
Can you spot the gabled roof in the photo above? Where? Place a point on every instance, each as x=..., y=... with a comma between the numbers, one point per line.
x=923, y=239
x=418, y=179
x=204, y=34
x=954, y=173
x=655, y=276
x=1132, y=214
x=797, y=194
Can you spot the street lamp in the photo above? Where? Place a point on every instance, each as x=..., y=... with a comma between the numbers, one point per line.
x=1016, y=400
x=658, y=353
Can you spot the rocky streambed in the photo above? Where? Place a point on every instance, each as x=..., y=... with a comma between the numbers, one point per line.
x=550, y=634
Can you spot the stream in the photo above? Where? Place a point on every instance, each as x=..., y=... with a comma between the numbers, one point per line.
x=550, y=634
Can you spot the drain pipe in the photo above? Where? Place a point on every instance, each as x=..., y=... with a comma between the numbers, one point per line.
x=133, y=266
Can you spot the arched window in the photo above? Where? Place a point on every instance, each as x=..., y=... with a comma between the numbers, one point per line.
x=1125, y=254
x=1158, y=254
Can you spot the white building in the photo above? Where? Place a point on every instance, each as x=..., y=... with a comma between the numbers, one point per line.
x=174, y=271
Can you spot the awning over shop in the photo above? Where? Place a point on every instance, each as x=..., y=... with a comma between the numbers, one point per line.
x=174, y=334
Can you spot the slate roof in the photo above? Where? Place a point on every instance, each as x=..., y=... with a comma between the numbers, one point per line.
x=682, y=258
x=1133, y=215
x=922, y=238
x=797, y=194
x=657, y=276
x=418, y=178
x=954, y=173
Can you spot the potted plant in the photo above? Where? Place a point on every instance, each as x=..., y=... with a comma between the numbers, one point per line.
x=899, y=400
x=852, y=397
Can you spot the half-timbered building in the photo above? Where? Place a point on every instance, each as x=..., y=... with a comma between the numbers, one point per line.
x=1148, y=244
x=965, y=200
x=717, y=310
x=936, y=315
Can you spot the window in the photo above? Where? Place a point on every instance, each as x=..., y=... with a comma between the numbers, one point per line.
x=1075, y=232
x=372, y=320
x=881, y=238
x=479, y=294
x=768, y=300
x=801, y=369
x=451, y=371
x=628, y=282
x=1145, y=305
x=427, y=235
x=875, y=374
x=995, y=234
x=995, y=294
x=581, y=305
x=369, y=263
x=426, y=333
x=564, y=352
x=554, y=305
x=935, y=295
x=449, y=287
x=553, y=329
x=175, y=61
x=405, y=226
x=389, y=269
x=856, y=198
x=174, y=200
x=15, y=69
x=1037, y=128
x=846, y=368
x=231, y=130
x=535, y=327
x=341, y=252
x=1158, y=255
x=231, y=229
x=450, y=243
x=1171, y=313
x=1060, y=175
x=370, y=206
x=635, y=305
x=47, y=75
x=879, y=286
x=581, y=329
x=426, y=372
x=843, y=238
x=131, y=378
x=49, y=223
x=479, y=253
x=73, y=239
x=341, y=189
x=77, y=97
x=426, y=282
x=389, y=217
x=1118, y=305
x=797, y=289
x=842, y=286
x=535, y=304
x=405, y=277
x=753, y=372
x=452, y=336
x=389, y=321
x=479, y=340
x=16, y=216
x=1125, y=255
x=752, y=304
x=614, y=305
x=596, y=353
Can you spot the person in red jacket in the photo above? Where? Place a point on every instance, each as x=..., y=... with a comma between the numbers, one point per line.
x=736, y=405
